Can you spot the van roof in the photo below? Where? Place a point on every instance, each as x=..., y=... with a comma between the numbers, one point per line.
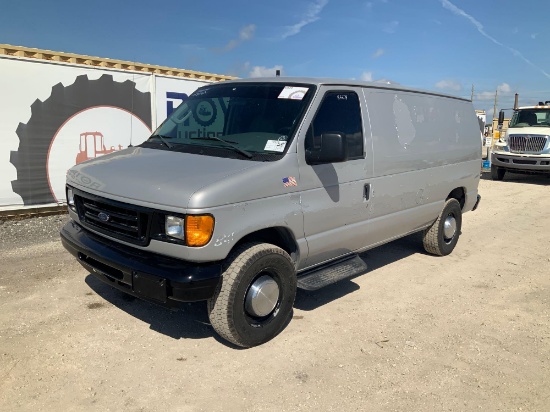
x=327, y=81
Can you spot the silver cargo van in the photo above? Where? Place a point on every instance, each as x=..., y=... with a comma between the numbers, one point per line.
x=252, y=188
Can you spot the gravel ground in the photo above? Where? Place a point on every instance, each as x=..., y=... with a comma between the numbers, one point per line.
x=24, y=232
x=470, y=331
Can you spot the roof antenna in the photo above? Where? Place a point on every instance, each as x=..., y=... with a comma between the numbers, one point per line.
x=277, y=73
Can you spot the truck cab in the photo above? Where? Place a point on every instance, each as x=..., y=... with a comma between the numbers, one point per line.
x=525, y=146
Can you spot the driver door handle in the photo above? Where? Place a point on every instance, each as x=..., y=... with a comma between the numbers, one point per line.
x=366, y=192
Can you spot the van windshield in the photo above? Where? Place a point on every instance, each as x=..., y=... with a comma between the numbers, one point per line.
x=530, y=118
x=241, y=120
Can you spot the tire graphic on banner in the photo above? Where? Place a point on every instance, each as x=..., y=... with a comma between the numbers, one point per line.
x=48, y=117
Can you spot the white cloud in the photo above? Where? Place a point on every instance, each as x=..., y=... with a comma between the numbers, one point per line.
x=534, y=36
x=448, y=85
x=378, y=53
x=391, y=27
x=311, y=15
x=246, y=33
x=504, y=88
x=459, y=12
x=262, y=71
x=366, y=76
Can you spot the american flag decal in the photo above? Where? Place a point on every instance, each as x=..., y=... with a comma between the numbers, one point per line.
x=289, y=181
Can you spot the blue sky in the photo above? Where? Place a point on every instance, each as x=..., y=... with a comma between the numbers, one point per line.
x=444, y=45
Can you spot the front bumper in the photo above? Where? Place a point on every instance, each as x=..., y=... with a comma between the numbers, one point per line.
x=521, y=163
x=149, y=276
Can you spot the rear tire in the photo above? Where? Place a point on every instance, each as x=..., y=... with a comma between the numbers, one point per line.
x=441, y=238
x=497, y=173
x=254, y=299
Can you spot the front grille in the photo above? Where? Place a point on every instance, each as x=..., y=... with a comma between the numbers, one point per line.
x=119, y=220
x=527, y=143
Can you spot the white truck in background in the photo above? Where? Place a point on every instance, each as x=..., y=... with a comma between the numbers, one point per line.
x=525, y=146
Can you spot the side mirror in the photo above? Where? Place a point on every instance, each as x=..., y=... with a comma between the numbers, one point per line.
x=332, y=148
x=501, y=118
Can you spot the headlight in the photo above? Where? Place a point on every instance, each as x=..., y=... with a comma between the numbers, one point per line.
x=501, y=146
x=174, y=227
x=194, y=230
x=70, y=198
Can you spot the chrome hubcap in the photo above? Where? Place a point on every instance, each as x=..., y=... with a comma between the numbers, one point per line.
x=449, y=228
x=262, y=296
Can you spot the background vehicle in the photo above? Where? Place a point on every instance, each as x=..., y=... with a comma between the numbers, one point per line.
x=525, y=146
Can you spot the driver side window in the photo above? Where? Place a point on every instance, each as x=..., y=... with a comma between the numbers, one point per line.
x=339, y=112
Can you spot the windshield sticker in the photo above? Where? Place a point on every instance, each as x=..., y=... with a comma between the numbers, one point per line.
x=289, y=181
x=293, y=93
x=275, y=145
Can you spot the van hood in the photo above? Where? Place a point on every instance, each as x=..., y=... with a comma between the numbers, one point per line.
x=150, y=176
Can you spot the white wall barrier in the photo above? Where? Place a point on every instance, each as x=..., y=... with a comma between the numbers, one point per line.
x=54, y=115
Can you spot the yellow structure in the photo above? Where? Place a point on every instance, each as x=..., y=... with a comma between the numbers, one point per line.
x=19, y=51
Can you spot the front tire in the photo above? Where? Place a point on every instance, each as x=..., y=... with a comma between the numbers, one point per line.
x=254, y=299
x=497, y=173
x=441, y=238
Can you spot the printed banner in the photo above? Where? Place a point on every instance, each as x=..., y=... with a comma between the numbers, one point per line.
x=57, y=115
x=171, y=92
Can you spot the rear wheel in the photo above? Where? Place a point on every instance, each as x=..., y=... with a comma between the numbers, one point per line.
x=253, y=302
x=497, y=173
x=442, y=237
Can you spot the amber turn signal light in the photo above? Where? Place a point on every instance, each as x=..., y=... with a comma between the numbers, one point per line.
x=198, y=230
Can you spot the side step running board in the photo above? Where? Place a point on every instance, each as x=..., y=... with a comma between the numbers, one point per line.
x=332, y=273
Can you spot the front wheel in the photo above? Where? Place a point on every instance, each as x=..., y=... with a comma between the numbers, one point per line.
x=254, y=299
x=442, y=237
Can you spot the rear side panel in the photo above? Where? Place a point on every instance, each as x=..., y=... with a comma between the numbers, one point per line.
x=424, y=147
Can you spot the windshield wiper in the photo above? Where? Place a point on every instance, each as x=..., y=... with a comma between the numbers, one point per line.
x=241, y=151
x=163, y=138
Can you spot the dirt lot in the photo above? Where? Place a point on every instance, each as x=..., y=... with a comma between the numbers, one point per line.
x=470, y=331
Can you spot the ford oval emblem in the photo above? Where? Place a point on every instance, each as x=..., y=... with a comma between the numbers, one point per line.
x=104, y=217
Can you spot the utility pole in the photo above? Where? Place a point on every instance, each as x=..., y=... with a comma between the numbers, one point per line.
x=494, y=133
x=495, y=106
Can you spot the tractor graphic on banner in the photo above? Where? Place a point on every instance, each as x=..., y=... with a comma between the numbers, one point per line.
x=92, y=145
